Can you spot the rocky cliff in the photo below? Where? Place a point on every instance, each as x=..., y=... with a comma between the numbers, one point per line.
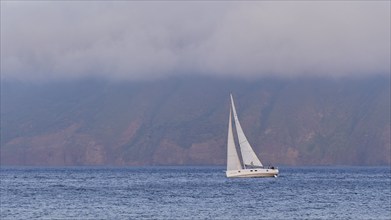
x=180, y=121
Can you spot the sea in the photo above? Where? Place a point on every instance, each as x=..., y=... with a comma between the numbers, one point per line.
x=165, y=192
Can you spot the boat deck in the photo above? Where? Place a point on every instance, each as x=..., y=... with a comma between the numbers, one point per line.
x=256, y=172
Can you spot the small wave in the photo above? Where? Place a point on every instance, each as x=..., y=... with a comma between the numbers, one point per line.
x=58, y=185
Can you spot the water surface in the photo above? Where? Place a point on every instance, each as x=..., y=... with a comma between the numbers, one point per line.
x=194, y=193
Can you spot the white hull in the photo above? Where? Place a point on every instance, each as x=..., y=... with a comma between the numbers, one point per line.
x=252, y=173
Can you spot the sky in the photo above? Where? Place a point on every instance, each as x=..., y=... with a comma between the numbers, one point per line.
x=134, y=40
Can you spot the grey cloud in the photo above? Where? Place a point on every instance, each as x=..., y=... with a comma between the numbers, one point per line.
x=139, y=40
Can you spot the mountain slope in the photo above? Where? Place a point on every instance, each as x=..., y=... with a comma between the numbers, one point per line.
x=184, y=121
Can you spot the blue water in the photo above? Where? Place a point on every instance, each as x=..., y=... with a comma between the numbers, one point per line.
x=194, y=193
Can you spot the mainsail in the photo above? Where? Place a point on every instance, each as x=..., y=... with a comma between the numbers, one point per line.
x=248, y=154
x=233, y=162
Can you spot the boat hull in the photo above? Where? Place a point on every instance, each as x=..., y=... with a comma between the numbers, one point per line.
x=253, y=173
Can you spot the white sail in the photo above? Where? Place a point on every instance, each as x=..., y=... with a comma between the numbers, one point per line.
x=248, y=154
x=233, y=162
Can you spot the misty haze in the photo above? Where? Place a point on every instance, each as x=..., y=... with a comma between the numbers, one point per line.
x=120, y=110
x=138, y=86
x=183, y=121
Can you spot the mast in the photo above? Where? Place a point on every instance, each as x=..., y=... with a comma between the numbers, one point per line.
x=248, y=154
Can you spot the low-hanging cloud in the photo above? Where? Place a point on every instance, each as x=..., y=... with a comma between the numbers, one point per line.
x=142, y=40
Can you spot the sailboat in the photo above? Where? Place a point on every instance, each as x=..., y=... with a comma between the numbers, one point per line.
x=249, y=165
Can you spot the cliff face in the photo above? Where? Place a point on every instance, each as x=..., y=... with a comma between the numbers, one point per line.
x=184, y=121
